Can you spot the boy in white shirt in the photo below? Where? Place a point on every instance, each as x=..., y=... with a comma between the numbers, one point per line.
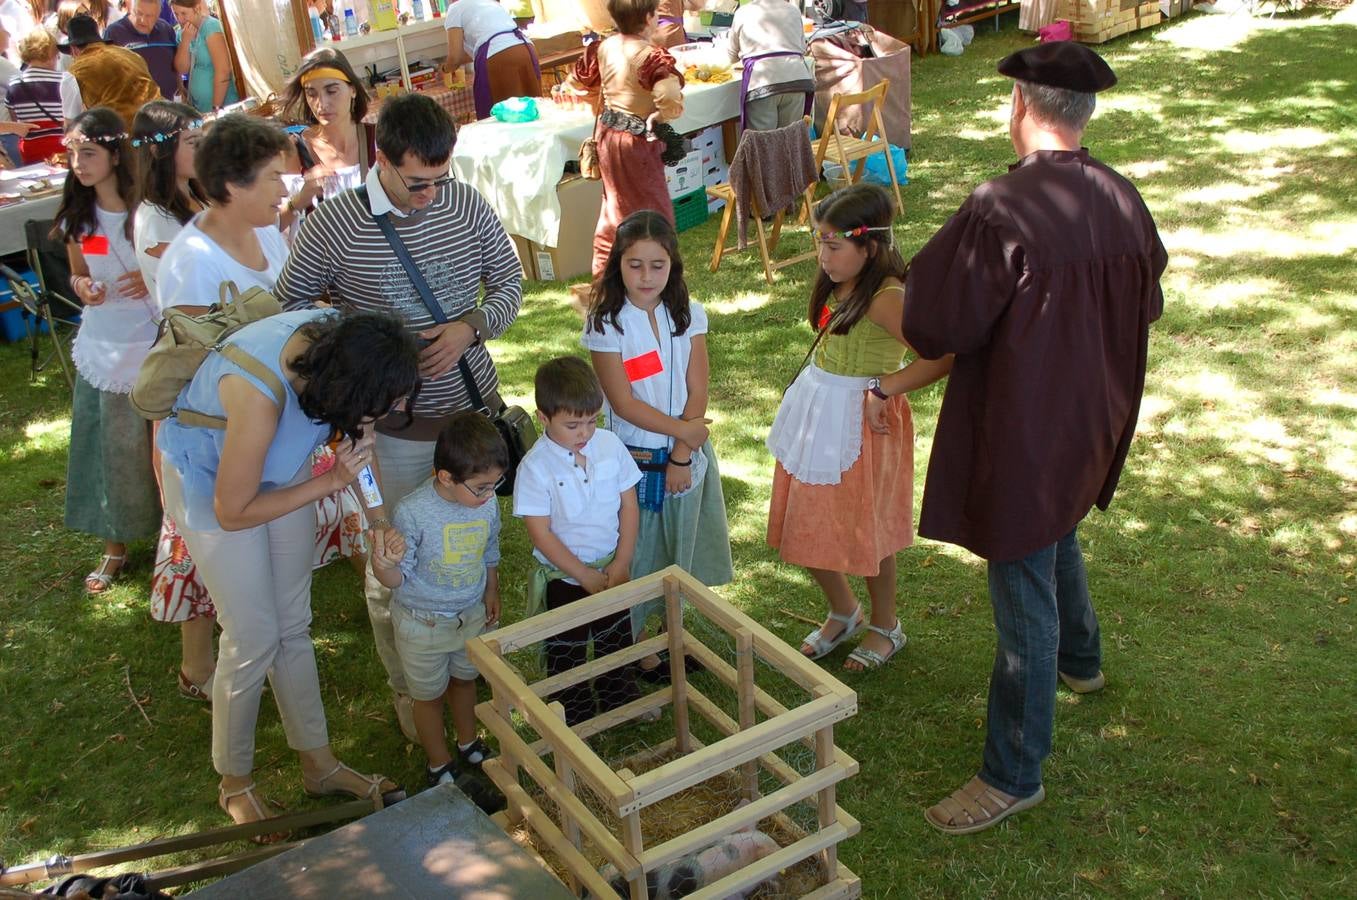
x=574, y=493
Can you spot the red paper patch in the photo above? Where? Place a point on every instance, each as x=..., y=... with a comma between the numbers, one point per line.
x=94, y=245
x=825, y=315
x=643, y=366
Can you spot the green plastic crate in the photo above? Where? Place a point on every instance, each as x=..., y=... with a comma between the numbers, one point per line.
x=690, y=210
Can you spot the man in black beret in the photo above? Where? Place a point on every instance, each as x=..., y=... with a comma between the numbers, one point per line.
x=1043, y=284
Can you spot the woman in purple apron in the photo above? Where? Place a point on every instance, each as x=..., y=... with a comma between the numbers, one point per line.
x=776, y=87
x=669, y=24
x=504, y=64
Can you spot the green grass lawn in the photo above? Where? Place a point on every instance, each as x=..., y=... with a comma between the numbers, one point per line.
x=1218, y=761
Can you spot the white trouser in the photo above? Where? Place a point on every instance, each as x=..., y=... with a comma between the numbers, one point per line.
x=260, y=581
x=405, y=466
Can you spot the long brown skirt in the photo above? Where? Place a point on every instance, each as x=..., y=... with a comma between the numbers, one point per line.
x=633, y=179
x=512, y=75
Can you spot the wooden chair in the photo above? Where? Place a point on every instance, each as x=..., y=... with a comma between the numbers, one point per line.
x=844, y=149
x=767, y=243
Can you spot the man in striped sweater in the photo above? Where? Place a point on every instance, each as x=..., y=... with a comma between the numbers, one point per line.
x=465, y=256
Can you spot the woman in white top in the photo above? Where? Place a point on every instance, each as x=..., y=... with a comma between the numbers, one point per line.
x=504, y=63
x=165, y=135
x=337, y=148
x=236, y=238
x=110, y=488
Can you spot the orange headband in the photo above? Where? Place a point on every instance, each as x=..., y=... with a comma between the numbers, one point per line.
x=325, y=72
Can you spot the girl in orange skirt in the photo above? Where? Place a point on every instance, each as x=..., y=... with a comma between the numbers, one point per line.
x=843, y=488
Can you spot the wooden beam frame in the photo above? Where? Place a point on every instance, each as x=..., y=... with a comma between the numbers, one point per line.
x=747, y=744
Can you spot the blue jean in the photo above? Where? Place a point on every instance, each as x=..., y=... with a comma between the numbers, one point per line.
x=10, y=144
x=1046, y=623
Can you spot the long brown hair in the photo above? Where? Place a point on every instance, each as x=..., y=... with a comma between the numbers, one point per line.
x=610, y=293
x=157, y=180
x=295, y=107
x=856, y=206
x=76, y=218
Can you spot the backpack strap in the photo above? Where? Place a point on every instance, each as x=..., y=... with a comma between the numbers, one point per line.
x=252, y=366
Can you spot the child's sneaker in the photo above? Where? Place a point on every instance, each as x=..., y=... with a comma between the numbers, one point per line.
x=444, y=774
x=477, y=752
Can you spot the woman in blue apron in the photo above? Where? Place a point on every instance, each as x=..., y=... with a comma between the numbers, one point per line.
x=504, y=63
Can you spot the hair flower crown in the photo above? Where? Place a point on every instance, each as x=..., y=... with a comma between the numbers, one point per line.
x=161, y=137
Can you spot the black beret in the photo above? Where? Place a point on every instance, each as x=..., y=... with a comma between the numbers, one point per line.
x=1061, y=64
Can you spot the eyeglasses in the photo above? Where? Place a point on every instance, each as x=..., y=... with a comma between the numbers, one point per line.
x=414, y=187
x=482, y=493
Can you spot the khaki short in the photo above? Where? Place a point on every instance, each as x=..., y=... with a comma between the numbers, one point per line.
x=433, y=648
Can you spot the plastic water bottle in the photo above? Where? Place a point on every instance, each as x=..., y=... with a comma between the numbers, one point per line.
x=350, y=22
x=316, y=31
x=419, y=10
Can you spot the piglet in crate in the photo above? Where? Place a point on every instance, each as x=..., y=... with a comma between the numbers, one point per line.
x=709, y=865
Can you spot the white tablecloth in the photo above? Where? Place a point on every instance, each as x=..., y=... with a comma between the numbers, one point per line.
x=13, y=215
x=516, y=166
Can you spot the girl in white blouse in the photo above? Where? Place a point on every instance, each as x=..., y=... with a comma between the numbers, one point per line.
x=110, y=488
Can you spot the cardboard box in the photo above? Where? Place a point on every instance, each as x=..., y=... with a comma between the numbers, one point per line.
x=581, y=202
x=685, y=177
x=523, y=250
x=1172, y=9
x=710, y=144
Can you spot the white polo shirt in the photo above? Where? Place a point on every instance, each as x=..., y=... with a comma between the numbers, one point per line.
x=583, y=504
x=656, y=368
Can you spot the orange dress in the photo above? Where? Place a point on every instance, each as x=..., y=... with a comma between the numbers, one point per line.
x=868, y=515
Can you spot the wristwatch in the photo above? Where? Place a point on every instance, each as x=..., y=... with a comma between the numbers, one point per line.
x=874, y=387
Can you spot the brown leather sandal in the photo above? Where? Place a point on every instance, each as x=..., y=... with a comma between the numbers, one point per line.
x=202, y=693
x=977, y=806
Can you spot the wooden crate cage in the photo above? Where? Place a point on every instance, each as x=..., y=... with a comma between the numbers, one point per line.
x=747, y=745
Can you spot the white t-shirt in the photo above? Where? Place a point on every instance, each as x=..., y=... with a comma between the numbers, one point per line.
x=194, y=267
x=479, y=19
x=656, y=369
x=153, y=225
x=583, y=504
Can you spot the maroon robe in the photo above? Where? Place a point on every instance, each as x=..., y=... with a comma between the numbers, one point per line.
x=1044, y=284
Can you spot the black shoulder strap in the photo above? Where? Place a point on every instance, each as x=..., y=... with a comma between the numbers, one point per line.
x=425, y=294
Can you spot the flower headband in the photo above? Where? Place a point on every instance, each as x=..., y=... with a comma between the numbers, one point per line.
x=161, y=137
x=860, y=231
x=79, y=137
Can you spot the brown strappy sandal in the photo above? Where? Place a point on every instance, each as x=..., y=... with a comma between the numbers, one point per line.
x=977, y=806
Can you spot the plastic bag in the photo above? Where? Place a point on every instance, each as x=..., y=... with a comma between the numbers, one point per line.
x=515, y=109
x=875, y=170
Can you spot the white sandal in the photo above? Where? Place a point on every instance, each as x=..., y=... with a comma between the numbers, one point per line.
x=870, y=659
x=318, y=787
x=823, y=646
x=102, y=577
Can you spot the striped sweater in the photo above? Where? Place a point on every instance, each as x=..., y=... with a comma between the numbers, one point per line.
x=34, y=95
x=459, y=246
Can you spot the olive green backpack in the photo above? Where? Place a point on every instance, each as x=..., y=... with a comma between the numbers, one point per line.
x=184, y=342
